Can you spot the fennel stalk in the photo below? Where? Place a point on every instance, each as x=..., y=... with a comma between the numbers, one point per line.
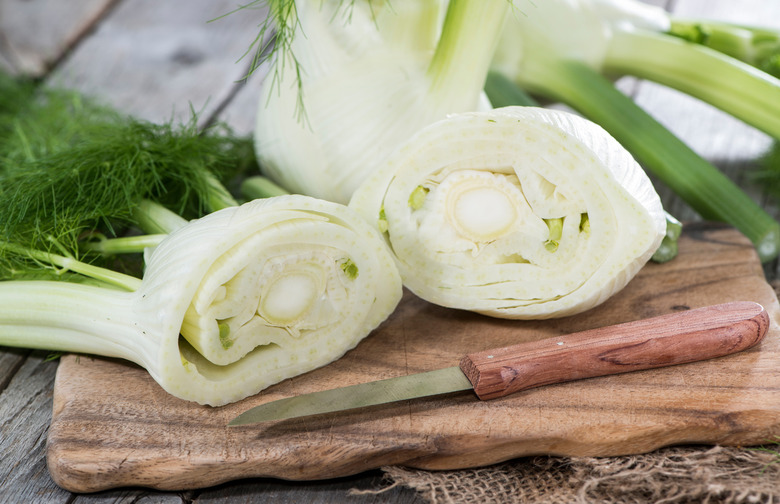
x=617, y=37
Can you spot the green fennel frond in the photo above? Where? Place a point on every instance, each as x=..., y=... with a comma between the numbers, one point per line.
x=70, y=167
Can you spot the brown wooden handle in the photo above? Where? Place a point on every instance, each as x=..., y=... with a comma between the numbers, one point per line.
x=677, y=338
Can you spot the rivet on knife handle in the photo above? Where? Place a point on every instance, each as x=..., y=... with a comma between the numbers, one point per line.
x=677, y=338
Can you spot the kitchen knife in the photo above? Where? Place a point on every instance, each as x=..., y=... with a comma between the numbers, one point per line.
x=666, y=340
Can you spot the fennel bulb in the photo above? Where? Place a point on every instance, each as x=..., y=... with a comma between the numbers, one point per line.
x=358, y=81
x=519, y=212
x=229, y=304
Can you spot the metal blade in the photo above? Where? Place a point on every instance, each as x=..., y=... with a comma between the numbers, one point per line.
x=440, y=381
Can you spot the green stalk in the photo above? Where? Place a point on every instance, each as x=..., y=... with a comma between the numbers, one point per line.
x=470, y=35
x=154, y=218
x=218, y=195
x=158, y=221
x=725, y=82
x=758, y=47
x=260, y=187
x=502, y=92
x=68, y=317
x=669, y=246
x=124, y=245
x=103, y=275
x=696, y=181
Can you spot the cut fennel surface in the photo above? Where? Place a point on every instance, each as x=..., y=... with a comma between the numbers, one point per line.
x=229, y=304
x=519, y=212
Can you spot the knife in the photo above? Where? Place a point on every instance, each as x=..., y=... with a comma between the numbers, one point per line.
x=676, y=338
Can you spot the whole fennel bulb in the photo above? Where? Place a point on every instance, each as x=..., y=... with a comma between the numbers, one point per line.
x=229, y=304
x=370, y=75
x=519, y=212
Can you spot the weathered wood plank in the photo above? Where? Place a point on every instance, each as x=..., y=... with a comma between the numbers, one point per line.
x=35, y=34
x=11, y=360
x=25, y=414
x=157, y=60
x=132, y=496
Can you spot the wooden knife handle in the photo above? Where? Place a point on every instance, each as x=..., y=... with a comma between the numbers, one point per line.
x=677, y=338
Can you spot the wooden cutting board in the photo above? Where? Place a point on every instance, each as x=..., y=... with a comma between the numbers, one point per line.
x=113, y=426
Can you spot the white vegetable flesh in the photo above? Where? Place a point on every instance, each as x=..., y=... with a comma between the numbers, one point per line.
x=371, y=75
x=229, y=304
x=517, y=213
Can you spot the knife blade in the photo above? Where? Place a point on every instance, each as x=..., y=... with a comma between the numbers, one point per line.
x=665, y=340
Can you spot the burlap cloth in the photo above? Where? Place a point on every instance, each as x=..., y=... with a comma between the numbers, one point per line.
x=671, y=475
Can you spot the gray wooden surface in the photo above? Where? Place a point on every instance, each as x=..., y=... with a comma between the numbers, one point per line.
x=156, y=60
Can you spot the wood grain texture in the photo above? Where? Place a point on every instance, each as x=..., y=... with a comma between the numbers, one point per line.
x=113, y=426
x=37, y=34
x=159, y=61
x=25, y=405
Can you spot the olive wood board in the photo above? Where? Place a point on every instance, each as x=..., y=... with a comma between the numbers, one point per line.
x=113, y=426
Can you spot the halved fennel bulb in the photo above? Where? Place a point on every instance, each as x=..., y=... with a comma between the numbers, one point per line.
x=519, y=213
x=229, y=304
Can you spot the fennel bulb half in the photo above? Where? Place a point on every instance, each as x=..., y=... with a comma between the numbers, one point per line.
x=229, y=304
x=519, y=212
x=359, y=80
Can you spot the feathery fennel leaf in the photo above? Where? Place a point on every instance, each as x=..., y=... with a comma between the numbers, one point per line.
x=69, y=167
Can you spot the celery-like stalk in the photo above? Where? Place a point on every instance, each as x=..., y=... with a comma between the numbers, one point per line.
x=756, y=46
x=735, y=87
x=502, y=92
x=669, y=245
x=261, y=187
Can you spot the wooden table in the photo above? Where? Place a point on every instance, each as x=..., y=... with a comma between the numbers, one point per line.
x=155, y=60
